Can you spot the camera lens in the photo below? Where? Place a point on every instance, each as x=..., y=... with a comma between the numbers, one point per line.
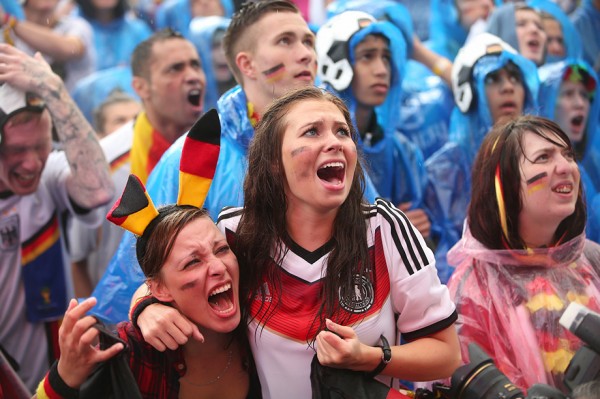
x=486, y=382
x=480, y=379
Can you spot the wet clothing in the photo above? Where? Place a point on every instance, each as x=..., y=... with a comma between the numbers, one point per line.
x=404, y=297
x=123, y=274
x=586, y=19
x=35, y=281
x=510, y=301
x=202, y=33
x=588, y=151
x=449, y=169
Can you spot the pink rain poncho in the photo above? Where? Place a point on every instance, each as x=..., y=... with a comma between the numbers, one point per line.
x=510, y=301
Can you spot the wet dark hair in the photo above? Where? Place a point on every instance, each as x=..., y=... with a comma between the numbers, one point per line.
x=502, y=148
x=258, y=243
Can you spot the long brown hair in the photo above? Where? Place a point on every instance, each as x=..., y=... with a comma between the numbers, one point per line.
x=501, y=150
x=262, y=227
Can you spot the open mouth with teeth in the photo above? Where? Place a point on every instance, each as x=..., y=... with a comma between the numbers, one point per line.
x=221, y=299
x=26, y=178
x=332, y=172
x=563, y=188
x=194, y=97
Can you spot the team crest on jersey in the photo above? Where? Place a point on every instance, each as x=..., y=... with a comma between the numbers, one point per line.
x=9, y=233
x=361, y=296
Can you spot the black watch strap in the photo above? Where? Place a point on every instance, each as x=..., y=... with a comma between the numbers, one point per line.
x=386, y=357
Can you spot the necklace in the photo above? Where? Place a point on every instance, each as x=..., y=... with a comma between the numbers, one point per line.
x=217, y=378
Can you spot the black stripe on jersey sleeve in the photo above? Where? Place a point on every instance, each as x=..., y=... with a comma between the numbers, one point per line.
x=370, y=211
x=229, y=212
x=391, y=215
x=431, y=329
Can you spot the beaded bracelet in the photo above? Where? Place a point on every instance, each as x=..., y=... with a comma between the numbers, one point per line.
x=54, y=387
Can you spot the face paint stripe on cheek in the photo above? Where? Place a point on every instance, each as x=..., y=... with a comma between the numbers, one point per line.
x=298, y=150
x=275, y=73
x=188, y=285
x=536, y=182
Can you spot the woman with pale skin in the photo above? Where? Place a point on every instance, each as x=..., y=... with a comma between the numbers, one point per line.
x=530, y=34
x=323, y=271
x=568, y=95
x=197, y=274
x=524, y=256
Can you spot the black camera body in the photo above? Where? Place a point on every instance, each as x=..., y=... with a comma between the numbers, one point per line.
x=480, y=379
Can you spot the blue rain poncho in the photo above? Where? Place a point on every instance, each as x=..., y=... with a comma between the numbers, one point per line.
x=92, y=90
x=395, y=165
x=202, y=31
x=551, y=78
x=449, y=169
x=586, y=19
x=571, y=37
x=426, y=101
x=177, y=15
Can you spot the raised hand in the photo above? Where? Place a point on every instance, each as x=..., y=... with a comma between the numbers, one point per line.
x=76, y=337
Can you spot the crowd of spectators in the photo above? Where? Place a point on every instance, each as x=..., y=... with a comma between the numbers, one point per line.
x=92, y=91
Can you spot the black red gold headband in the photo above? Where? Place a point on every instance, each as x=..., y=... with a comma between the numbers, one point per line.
x=134, y=211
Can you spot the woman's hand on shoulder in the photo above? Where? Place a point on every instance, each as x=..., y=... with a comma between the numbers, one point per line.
x=77, y=338
x=165, y=327
x=339, y=347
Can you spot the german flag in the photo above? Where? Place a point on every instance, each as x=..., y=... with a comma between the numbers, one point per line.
x=119, y=161
x=45, y=238
x=199, y=158
x=134, y=210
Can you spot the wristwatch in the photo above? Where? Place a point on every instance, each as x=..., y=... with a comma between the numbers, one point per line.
x=386, y=357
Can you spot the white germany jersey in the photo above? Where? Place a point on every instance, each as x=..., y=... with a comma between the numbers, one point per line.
x=404, y=296
x=33, y=284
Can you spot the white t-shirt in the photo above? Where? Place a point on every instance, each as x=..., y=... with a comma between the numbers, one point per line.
x=30, y=234
x=404, y=285
x=76, y=69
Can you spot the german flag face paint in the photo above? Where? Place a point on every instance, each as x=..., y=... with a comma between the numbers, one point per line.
x=537, y=182
x=275, y=73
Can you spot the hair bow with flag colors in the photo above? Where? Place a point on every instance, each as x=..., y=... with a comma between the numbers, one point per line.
x=135, y=210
